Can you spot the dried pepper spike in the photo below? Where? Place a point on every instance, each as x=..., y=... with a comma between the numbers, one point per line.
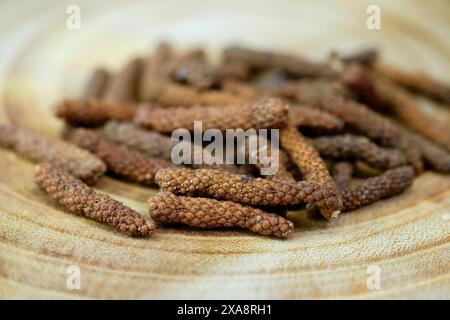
x=78, y=162
x=76, y=197
x=169, y=94
x=166, y=207
x=97, y=84
x=417, y=82
x=312, y=168
x=385, y=185
x=349, y=146
x=366, y=57
x=124, y=162
x=93, y=112
x=150, y=143
x=244, y=189
x=294, y=65
x=405, y=108
x=269, y=113
x=123, y=86
x=342, y=174
x=309, y=117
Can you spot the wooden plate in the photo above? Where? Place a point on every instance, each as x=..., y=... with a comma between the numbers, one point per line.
x=404, y=240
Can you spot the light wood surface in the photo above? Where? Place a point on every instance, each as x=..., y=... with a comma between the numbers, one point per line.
x=41, y=61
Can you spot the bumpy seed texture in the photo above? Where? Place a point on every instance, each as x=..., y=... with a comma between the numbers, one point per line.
x=312, y=168
x=166, y=207
x=342, y=174
x=78, y=198
x=122, y=161
x=78, y=162
x=124, y=86
x=270, y=113
x=385, y=185
x=93, y=112
x=97, y=84
x=308, y=117
x=418, y=82
x=152, y=144
x=294, y=65
x=223, y=185
x=405, y=108
x=349, y=146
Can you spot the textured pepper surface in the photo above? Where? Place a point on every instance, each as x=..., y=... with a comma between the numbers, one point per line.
x=269, y=113
x=78, y=162
x=122, y=161
x=405, y=108
x=350, y=146
x=93, y=112
x=152, y=144
x=385, y=185
x=309, y=117
x=312, y=168
x=223, y=185
x=166, y=207
x=76, y=197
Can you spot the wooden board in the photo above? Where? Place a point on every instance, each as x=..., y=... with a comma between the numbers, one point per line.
x=407, y=237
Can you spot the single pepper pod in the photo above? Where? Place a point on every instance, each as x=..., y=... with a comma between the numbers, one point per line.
x=304, y=116
x=93, y=112
x=312, y=168
x=121, y=161
x=166, y=207
x=349, y=146
x=77, y=197
x=385, y=185
x=417, y=82
x=192, y=68
x=97, y=84
x=269, y=113
x=78, y=162
x=244, y=189
x=124, y=86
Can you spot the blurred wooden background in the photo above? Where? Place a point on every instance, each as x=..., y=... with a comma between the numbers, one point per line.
x=42, y=61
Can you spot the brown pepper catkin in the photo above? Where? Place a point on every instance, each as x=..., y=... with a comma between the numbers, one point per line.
x=342, y=174
x=93, y=112
x=193, y=69
x=418, y=82
x=166, y=207
x=152, y=144
x=349, y=146
x=405, y=108
x=312, y=168
x=387, y=184
x=78, y=162
x=308, y=117
x=78, y=198
x=295, y=65
x=124, y=162
x=223, y=185
x=97, y=84
x=269, y=113
x=123, y=86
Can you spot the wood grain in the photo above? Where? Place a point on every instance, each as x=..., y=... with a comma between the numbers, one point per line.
x=407, y=237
